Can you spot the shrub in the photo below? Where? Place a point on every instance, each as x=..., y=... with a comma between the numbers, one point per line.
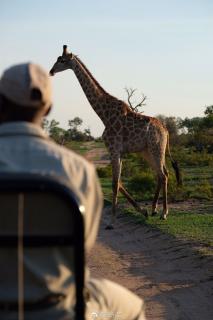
x=133, y=164
x=189, y=157
x=105, y=172
x=142, y=185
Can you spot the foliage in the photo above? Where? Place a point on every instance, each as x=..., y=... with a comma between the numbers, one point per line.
x=54, y=131
x=133, y=164
x=172, y=124
x=209, y=111
x=73, y=133
x=190, y=157
x=199, y=131
x=204, y=190
x=104, y=172
x=75, y=123
x=142, y=185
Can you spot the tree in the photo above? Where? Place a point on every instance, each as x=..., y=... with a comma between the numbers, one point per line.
x=54, y=131
x=209, y=111
x=130, y=93
x=200, y=130
x=192, y=125
x=61, y=135
x=88, y=135
x=75, y=123
x=45, y=124
x=52, y=126
x=172, y=125
x=73, y=132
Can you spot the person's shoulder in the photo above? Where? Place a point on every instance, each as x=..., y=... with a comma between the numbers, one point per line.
x=69, y=155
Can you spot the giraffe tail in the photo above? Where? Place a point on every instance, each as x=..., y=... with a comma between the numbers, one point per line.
x=175, y=166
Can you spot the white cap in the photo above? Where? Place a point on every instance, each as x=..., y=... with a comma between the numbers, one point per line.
x=26, y=84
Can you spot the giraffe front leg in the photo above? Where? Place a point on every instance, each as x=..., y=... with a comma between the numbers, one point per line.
x=116, y=173
x=156, y=197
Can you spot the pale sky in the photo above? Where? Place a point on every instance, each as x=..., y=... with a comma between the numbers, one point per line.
x=164, y=48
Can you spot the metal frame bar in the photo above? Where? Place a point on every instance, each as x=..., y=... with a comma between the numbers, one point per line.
x=29, y=182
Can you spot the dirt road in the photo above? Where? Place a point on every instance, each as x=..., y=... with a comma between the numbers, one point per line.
x=174, y=280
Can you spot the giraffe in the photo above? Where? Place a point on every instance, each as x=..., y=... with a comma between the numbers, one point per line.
x=126, y=131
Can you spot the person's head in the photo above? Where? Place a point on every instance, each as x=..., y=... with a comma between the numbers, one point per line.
x=25, y=93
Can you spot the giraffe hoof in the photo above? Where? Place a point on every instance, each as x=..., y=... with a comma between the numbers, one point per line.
x=163, y=217
x=109, y=227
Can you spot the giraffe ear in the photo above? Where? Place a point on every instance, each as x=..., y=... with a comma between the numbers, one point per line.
x=65, y=50
x=70, y=55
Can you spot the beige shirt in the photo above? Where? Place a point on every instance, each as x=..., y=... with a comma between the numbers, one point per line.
x=25, y=147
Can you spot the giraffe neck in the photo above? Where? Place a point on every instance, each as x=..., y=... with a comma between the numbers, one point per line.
x=91, y=76
x=93, y=91
x=108, y=108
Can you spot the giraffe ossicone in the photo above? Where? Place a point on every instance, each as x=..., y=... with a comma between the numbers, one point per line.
x=126, y=131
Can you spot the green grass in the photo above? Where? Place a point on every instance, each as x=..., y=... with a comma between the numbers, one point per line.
x=192, y=175
x=106, y=185
x=99, y=144
x=189, y=226
x=183, y=225
x=77, y=146
x=82, y=147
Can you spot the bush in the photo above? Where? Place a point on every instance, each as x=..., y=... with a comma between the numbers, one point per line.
x=189, y=157
x=105, y=172
x=133, y=164
x=142, y=185
x=176, y=193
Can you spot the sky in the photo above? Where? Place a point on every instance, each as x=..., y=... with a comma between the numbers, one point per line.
x=162, y=48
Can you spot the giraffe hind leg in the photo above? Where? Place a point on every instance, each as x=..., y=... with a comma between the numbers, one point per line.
x=132, y=201
x=164, y=180
x=157, y=162
x=157, y=192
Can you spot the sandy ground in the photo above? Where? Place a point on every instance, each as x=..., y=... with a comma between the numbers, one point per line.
x=98, y=156
x=170, y=275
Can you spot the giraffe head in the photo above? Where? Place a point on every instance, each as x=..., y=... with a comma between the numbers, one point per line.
x=63, y=62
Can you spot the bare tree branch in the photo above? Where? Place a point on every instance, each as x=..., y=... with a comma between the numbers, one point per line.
x=141, y=103
x=130, y=93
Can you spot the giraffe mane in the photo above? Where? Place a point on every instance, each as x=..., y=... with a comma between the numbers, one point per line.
x=91, y=76
x=98, y=84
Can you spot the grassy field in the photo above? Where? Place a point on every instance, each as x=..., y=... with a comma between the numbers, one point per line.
x=80, y=147
x=188, y=226
x=83, y=147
